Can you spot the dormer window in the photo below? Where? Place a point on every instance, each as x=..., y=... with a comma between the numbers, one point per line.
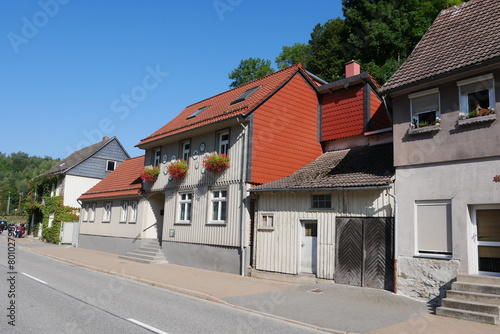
x=477, y=96
x=424, y=108
x=246, y=94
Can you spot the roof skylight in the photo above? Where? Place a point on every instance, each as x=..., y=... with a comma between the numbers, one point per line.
x=198, y=112
x=246, y=94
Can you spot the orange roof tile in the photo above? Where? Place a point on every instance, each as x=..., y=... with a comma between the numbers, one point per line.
x=123, y=181
x=220, y=107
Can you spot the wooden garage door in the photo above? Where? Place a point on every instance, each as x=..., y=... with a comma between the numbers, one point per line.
x=364, y=252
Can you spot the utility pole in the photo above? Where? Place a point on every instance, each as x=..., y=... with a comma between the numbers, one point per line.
x=8, y=204
x=19, y=205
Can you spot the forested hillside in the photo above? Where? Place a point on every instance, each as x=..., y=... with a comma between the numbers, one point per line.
x=17, y=170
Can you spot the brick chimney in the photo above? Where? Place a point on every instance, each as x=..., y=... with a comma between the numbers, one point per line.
x=105, y=138
x=352, y=68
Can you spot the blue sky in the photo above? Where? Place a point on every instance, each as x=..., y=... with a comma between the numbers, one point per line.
x=73, y=71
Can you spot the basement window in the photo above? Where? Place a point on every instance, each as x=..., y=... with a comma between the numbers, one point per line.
x=246, y=94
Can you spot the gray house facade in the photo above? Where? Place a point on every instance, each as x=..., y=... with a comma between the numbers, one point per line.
x=447, y=153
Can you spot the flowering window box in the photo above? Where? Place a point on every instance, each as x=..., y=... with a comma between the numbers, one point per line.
x=178, y=169
x=425, y=129
x=216, y=163
x=150, y=174
x=478, y=119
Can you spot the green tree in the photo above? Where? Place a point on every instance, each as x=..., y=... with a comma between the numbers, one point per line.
x=328, y=50
x=381, y=34
x=291, y=55
x=249, y=70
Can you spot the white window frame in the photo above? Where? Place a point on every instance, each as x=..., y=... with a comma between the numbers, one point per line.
x=219, y=200
x=156, y=156
x=436, y=252
x=124, y=211
x=185, y=149
x=482, y=82
x=106, y=214
x=223, y=143
x=133, y=212
x=415, y=114
x=107, y=165
x=267, y=221
x=85, y=216
x=185, y=207
x=92, y=212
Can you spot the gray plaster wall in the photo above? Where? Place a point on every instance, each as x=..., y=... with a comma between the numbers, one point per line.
x=112, y=245
x=465, y=184
x=216, y=258
x=452, y=142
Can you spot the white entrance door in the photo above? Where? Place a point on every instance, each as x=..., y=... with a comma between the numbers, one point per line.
x=487, y=221
x=308, y=245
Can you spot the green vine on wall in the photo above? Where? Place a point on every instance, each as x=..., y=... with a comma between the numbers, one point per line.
x=54, y=205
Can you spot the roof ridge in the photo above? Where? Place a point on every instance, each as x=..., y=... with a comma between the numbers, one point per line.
x=246, y=84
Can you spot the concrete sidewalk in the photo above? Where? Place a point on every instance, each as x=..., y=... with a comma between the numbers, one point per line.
x=329, y=307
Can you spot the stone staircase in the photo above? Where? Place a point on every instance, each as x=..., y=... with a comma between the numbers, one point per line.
x=474, y=298
x=150, y=252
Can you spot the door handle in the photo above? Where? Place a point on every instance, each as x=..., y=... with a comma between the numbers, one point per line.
x=474, y=237
x=303, y=244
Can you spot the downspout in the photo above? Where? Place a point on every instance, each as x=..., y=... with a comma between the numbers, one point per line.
x=395, y=241
x=243, y=174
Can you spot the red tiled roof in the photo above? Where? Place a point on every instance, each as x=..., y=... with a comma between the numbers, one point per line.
x=123, y=181
x=220, y=107
x=460, y=38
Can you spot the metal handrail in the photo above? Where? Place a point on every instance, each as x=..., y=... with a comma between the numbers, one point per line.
x=147, y=228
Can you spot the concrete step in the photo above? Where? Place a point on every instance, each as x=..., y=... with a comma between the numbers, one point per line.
x=468, y=315
x=476, y=287
x=471, y=306
x=479, y=279
x=474, y=297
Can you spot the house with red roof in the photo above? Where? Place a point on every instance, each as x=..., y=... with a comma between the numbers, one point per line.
x=202, y=216
x=333, y=218
x=445, y=100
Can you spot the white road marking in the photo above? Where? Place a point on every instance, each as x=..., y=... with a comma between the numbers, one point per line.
x=34, y=278
x=155, y=330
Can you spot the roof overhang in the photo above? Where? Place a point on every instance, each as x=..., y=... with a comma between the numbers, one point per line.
x=388, y=186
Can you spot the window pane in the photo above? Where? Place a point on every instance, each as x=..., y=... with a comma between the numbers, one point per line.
x=223, y=211
x=183, y=211
x=215, y=211
x=488, y=225
x=188, y=211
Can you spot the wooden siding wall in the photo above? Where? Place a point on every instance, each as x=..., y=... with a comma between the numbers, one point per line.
x=277, y=249
x=114, y=228
x=195, y=176
x=200, y=231
x=201, y=184
x=74, y=187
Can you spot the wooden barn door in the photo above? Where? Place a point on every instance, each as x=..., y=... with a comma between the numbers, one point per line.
x=364, y=252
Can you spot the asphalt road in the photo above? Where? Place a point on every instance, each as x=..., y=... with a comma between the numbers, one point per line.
x=42, y=295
